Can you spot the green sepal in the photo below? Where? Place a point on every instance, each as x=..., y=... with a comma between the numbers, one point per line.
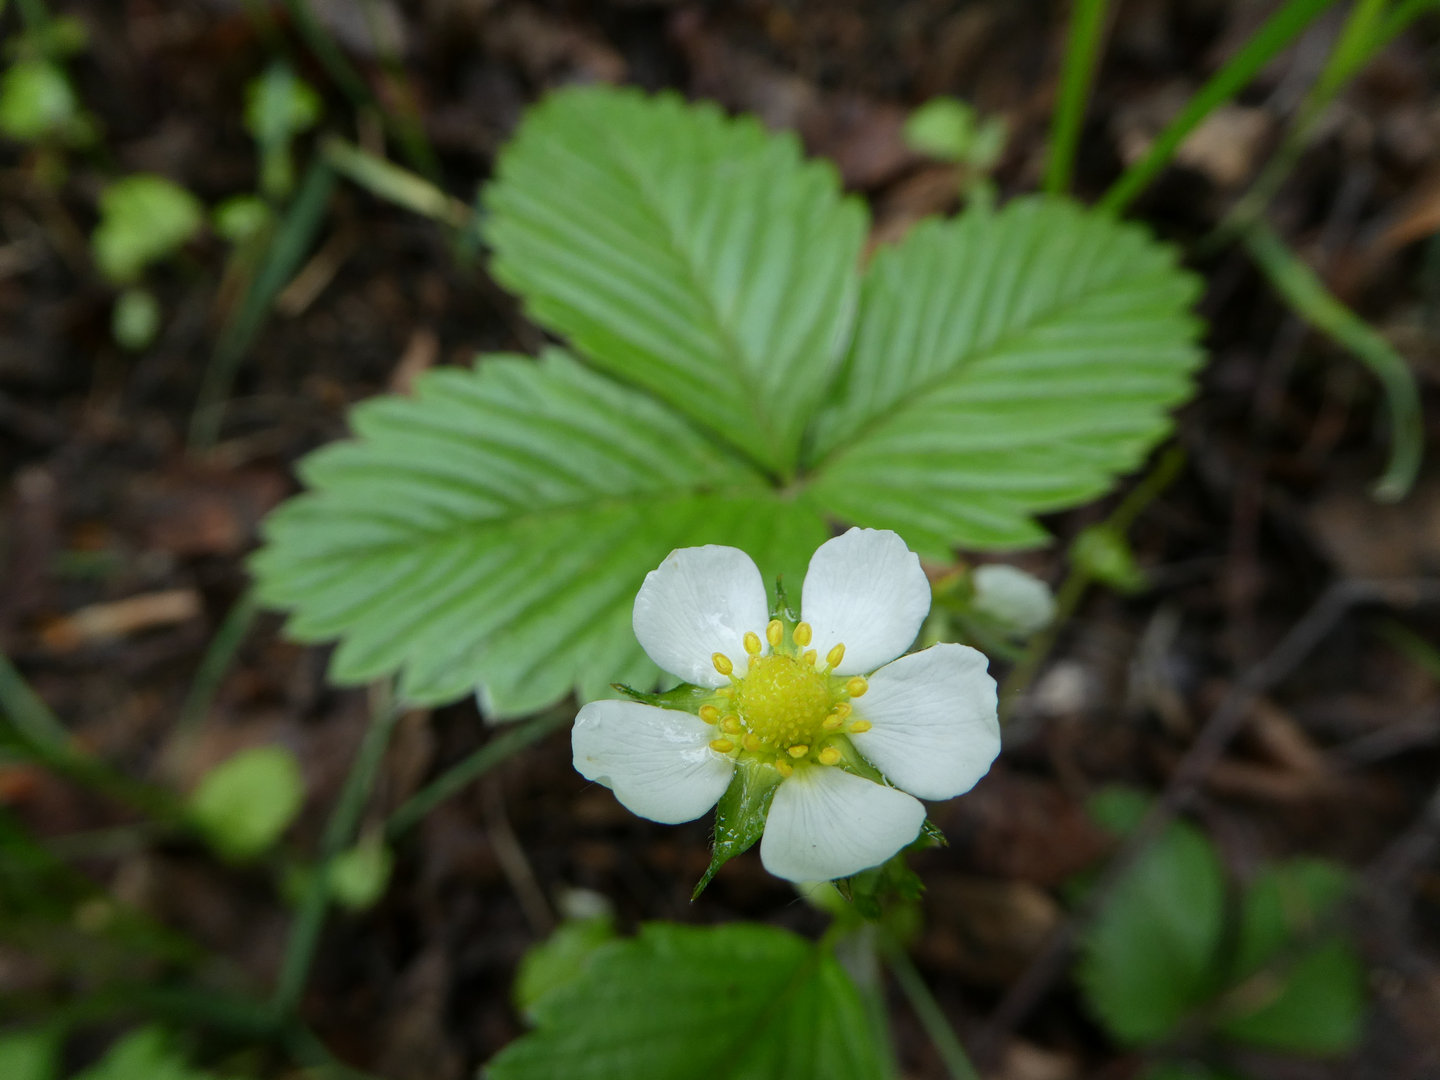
x=740, y=815
x=782, y=609
x=687, y=697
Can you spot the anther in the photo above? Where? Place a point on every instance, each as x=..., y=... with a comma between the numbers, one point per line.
x=859, y=727
x=783, y=767
x=832, y=722
x=752, y=643
x=829, y=756
x=854, y=686
x=797, y=752
x=842, y=710
x=710, y=714
x=723, y=746
x=722, y=663
x=809, y=657
x=752, y=742
x=803, y=634
x=775, y=633
x=731, y=725
x=834, y=656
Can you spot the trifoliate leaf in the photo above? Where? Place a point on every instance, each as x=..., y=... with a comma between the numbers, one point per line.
x=736, y=1002
x=1311, y=1001
x=1149, y=957
x=143, y=218
x=695, y=255
x=1004, y=365
x=493, y=530
x=246, y=802
x=560, y=960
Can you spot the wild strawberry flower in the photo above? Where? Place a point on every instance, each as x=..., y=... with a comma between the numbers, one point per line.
x=823, y=701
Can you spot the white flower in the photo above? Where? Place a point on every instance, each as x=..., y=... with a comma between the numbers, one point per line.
x=821, y=701
x=1017, y=600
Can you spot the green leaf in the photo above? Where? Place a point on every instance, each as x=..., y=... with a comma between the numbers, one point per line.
x=246, y=802
x=29, y=1054
x=1309, y=1003
x=736, y=1002
x=358, y=876
x=1149, y=957
x=695, y=255
x=1004, y=365
x=136, y=318
x=493, y=530
x=143, y=218
x=740, y=816
x=279, y=106
x=560, y=960
x=146, y=1054
x=36, y=101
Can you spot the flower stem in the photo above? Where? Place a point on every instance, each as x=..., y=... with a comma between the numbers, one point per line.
x=927, y=1010
x=339, y=830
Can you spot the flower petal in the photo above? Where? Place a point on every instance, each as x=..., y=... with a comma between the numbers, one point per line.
x=657, y=761
x=698, y=602
x=866, y=590
x=826, y=823
x=935, y=731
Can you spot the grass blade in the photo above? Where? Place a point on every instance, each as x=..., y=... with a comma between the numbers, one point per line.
x=1282, y=28
x=1082, y=57
x=1310, y=300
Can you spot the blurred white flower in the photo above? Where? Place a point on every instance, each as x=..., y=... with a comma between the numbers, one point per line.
x=823, y=702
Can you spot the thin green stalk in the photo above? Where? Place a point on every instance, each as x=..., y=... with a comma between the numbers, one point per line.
x=1365, y=32
x=216, y=662
x=339, y=832
x=1082, y=57
x=459, y=776
x=1072, y=590
x=1308, y=298
x=928, y=1011
x=291, y=243
x=1277, y=33
x=389, y=181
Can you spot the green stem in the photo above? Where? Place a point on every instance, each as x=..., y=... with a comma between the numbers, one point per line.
x=389, y=181
x=1072, y=590
x=459, y=776
x=1281, y=29
x=36, y=734
x=928, y=1011
x=215, y=663
x=1307, y=296
x=339, y=831
x=1082, y=57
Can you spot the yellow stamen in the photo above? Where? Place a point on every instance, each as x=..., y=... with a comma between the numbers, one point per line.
x=722, y=663
x=809, y=657
x=783, y=767
x=710, y=714
x=829, y=756
x=854, y=686
x=832, y=722
x=752, y=742
x=731, y=725
x=803, y=634
x=752, y=643
x=723, y=746
x=775, y=633
x=835, y=655
x=797, y=752
x=859, y=727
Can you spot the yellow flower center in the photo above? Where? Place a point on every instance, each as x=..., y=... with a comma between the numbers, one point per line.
x=783, y=701
x=784, y=709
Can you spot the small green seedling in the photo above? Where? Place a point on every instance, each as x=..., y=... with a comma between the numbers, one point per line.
x=246, y=803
